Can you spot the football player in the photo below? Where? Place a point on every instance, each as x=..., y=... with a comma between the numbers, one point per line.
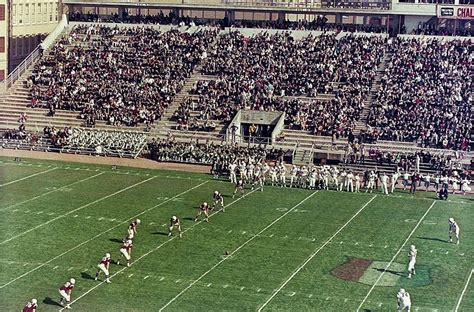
x=175, y=223
x=403, y=300
x=65, y=292
x=132, y=228
x=203, y=209
x=218, y=200
x=239, y=187
x=453, y=230
x=126, y=251
x=104, y=267
x=412, y=260
x=31, y=306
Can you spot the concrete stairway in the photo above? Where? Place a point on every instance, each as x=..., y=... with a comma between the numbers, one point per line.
x=361, y=124
x=303, y=157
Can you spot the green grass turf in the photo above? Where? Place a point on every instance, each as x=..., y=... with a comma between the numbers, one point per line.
x=58, y=225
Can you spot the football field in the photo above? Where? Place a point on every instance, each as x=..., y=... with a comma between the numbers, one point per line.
x=289, y=249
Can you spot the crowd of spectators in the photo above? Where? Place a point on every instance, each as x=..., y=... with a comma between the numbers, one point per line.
x=204, y=153
x=260, y=72
x=124, y=76
x=425, y=94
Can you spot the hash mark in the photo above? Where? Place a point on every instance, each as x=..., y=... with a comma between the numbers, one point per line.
x=88, y=217
x=341, y=242
x=130, y=275
x=146, y=277
x=39, y=212
x=242, y=288
x=310, y=295
x=258, y=290
x=70, y=268
x=271, y=235
x=327, y=298
x=151, y=223
x=385, y=246
x=230, y=231
x=161, y=278
x=292, y=294
x=75, y=216
x=225, y=286
x=209, y=285
x=177, y=281
x=244, y=232
x=56, y=267
x=25, y=264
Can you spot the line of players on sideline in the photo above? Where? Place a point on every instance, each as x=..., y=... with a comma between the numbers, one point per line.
x=403, y=297
x=330, y=177
x=65, y=291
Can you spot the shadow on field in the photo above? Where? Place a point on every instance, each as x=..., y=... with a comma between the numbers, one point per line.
x=116, y=240
x=433, y=239
x=86, y=275
x=390, y=271
x=189, y=218
x=160, y=233
x=50, y=301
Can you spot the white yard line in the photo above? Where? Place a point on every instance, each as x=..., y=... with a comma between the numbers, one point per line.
x=52, y=191
x=313, y=255
x=27, y=177
x=98, y=235
x=159, y=246
x=395, y=256
x=456, y=309
x=237, y=249
x=72, y=211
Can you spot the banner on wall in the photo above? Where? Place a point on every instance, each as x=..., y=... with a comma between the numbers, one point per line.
x=455, y=11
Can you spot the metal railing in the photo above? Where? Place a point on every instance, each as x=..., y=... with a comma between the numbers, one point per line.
x=19, y=70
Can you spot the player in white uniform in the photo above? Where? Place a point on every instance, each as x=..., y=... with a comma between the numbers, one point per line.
x=303, y=176
x=233, y=176
x=342, y=180
x=384, y=180
x=294, y=172
x=412, y=260
x=325, y=174
x=371, y=184
x=273, y=175
x=453, y=230
x=403, y=300
x=357, y=183
x=282, y=174
x=335, y=179
x=427, y=181
x=250, y=168
x=393, y=181
x=465, y=186
x=265, y=171
x=242, y=171
x=350, y=182
x=104, y=267
x=126, y=251
x=312, y=179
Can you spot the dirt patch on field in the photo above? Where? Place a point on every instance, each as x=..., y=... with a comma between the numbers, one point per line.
x=352, y=269
x=125, y=162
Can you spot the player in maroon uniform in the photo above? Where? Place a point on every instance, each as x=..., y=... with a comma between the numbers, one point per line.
x=126, y=251
x=203, y=209
x=218, y=200
x=175, y=223
x=239, y=187
x=65, y=292
x=104, y=267
x=31, y=306
x=132, y=228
